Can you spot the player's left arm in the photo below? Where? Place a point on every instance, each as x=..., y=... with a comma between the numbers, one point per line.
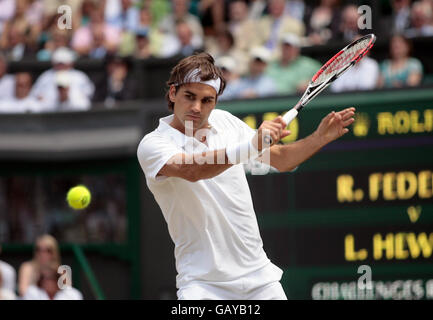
x=285, y=158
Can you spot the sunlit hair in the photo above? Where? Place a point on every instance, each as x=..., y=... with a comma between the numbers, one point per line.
x=208, y=71
x=50, y=242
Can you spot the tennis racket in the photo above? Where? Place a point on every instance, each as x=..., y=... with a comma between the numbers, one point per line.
x=329, y=72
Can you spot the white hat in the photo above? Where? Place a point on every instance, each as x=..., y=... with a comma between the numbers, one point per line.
x=291, y=39
x=226, y=62
x=63, y=55
x=260, y=53
x=63, y=78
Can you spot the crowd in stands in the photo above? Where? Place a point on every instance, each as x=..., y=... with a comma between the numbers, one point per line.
x=38, y=278
x=257, y=42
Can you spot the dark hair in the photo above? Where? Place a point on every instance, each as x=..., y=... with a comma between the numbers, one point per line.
x=208, y=71
x=407, y=41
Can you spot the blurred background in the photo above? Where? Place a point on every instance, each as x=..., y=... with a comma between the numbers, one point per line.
x=82, y=81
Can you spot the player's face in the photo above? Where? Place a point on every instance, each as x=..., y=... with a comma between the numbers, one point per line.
x=192, y=102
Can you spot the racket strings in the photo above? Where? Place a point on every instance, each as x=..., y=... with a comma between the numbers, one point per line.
x=343, y=60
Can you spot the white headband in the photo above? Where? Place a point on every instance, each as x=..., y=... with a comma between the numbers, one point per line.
x=194, y=77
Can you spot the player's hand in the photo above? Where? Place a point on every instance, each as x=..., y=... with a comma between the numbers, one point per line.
x=276, y=129
x=334, y=125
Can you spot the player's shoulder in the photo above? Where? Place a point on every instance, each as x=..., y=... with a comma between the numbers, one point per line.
x=222, y=115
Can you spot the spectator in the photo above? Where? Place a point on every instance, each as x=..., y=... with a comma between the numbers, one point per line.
x=46, y=254
x=119, y=85
x=69, y=98
x=362, y=76
x=47, y=287
x=228, y=68
x=7, y=12
x=292, y=72
x=257, y=84
x=15, y=40
x=276, y=24
x=45, y=88
x=5, y=293
x=83, y=40
x=22, y=101
x=241, y=26
x=7, y=81
x=322, y=22
x=349, y=24
x=401, y=70
x=421, y=20
x=401, y=16
x=225, y=46
x=122, y=14
x=146, y=40
x=143, y=49
x=183, y=44
x=55, y=39
x=8, y=276
x=296, y=9
x=180, y=13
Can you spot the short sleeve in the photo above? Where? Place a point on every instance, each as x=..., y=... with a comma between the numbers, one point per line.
x=238, y=127
x=153, y=153
x=415, y=65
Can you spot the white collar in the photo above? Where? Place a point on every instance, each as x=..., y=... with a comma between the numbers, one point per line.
x=179, y=137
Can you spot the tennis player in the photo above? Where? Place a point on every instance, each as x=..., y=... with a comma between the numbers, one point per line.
x=193, y=166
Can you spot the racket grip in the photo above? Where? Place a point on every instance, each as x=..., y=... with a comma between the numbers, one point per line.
x=290, y=115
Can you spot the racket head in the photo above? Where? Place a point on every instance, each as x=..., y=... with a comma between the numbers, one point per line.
x=343, y=60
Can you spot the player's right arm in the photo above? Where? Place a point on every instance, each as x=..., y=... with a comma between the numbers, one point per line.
x=194, y=167
x=160, y=157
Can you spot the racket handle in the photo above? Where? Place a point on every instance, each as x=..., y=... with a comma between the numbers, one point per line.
x=287, y=118
x=290, y=115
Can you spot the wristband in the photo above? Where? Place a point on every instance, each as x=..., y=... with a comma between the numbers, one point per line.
x=242, y=152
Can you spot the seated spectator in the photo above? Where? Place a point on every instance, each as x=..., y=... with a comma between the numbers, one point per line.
x=7, y=81
x=421, y=20
x=348, y=28
x=45, y=88
x=121, y=14
x=362, y=76
x=276, y=24
x=143, y=49
x=400, y=16
x=292, y=72
x=83, y=40
x=46, y=254
x=14, y=41
x=146, y=40
x=242, y=27
x=224, y=46
x=7, y=12
x=5, y=293
x=180, y=13
x=257, y=84
x=183, y=44
x=119, y=84
x=401, y=70
x=69, y=98
x=322, y=22
x=47, y=287
x=22, y=101
x=55, y=39
x=227, y=65
x=8, y=276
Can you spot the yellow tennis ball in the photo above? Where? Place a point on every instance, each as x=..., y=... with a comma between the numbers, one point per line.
x=78, y=197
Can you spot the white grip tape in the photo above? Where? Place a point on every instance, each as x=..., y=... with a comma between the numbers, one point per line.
x=290, y=115
x=242, y=152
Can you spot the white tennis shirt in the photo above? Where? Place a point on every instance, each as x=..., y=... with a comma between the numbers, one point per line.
x=212, y=221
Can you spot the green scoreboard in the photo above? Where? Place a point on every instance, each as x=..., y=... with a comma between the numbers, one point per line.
x=356, y=220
